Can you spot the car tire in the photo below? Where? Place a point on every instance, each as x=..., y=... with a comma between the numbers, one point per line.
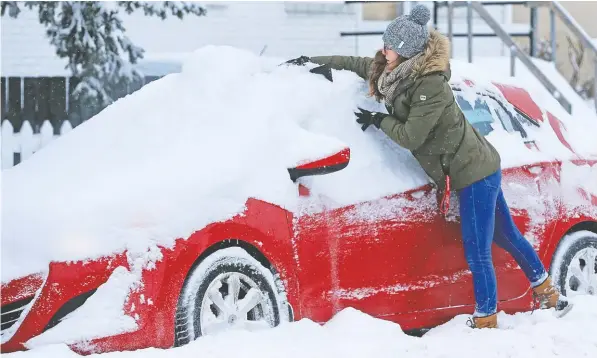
x=571, y=266
x=219, y=291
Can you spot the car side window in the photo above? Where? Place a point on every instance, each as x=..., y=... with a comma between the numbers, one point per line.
x=484, y=113
x=477, y=113
x=524, y=121
x=505, y=118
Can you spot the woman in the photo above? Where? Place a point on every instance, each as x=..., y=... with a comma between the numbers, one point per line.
x=411, y=76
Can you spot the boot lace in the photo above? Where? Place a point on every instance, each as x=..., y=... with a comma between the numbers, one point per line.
x=540, y=299
x=536, y=302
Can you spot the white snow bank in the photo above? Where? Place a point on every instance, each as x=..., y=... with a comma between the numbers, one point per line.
x=354, y=334
x=188, y=150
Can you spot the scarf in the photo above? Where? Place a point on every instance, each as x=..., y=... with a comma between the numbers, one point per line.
x=389, y=81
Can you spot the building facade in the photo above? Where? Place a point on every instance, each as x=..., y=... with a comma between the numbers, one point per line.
x=585, y=14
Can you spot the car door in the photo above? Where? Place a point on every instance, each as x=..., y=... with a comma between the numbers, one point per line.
x=528, y=190
x=383, y=257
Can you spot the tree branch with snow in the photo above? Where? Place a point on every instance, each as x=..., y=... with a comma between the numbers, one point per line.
x=576, y=56
x=91, y=35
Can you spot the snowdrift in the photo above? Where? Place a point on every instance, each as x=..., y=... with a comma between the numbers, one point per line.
x=352, y=333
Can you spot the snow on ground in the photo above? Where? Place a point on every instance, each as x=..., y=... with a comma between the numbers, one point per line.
x=352, y=333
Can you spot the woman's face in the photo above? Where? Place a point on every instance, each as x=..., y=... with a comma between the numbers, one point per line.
x=391, y=55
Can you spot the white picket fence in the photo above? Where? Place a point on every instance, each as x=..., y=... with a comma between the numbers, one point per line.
x=25, y=142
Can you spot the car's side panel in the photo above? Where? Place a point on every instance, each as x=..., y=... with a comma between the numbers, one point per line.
x=21, y=288
x=314, y=265
x=383, y=257
x=432, y=318
x=262, y=225
x=64, y=281
x=577, y=205
x=562, y=228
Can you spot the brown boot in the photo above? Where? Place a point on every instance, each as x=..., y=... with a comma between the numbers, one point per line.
x=546, y=294
x=549, y=297
x=483, y=322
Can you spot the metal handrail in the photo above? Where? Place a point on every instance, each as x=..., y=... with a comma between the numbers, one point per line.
x=450, y=5
x=516, y=51
x=573, y=25
x=568, y=20
x=555, y=9
x=482, y=34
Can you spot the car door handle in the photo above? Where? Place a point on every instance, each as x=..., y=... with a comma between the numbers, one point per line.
x=418, y=194
x=534, y=169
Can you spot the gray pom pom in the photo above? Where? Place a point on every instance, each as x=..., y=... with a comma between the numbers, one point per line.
x=420, y=14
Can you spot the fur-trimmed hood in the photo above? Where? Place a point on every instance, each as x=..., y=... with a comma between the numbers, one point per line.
x=436, y=56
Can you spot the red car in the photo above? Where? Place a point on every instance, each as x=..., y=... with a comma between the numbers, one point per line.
x=269, y=265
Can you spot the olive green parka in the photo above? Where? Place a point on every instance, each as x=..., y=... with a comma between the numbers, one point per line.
x=426, y=119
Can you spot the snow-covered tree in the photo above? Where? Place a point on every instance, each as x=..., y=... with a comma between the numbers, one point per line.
x=544, y=50
x=91, y=36
x=576, y=56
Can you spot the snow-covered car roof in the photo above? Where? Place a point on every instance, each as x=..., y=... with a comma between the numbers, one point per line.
x=189, y=149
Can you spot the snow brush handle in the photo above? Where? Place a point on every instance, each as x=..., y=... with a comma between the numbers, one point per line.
x=444, y=205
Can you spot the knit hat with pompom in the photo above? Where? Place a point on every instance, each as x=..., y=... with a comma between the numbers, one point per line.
x=408, y=34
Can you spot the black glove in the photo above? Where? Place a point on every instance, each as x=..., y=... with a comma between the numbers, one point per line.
x=366, y=118
x=300, y=61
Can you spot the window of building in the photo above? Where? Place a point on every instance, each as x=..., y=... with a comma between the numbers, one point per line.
x=317, y=8
x=386, y=11
x=214, y=6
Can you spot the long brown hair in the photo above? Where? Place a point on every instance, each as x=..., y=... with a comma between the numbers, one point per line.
x=379, y=65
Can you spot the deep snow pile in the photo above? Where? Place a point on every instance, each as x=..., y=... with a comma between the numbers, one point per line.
x=187, y=150
x=354, y=334
x=190, y=148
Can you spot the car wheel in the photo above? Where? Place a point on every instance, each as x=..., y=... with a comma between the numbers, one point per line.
x=228, y=290
x=574, y=267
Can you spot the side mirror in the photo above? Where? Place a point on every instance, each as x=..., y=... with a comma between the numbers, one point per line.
x=327, y=165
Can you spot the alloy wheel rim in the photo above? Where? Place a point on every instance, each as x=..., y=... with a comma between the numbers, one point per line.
x=581, y=278
x=234, y=301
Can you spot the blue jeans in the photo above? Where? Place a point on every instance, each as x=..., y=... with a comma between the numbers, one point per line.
x=485, y=218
